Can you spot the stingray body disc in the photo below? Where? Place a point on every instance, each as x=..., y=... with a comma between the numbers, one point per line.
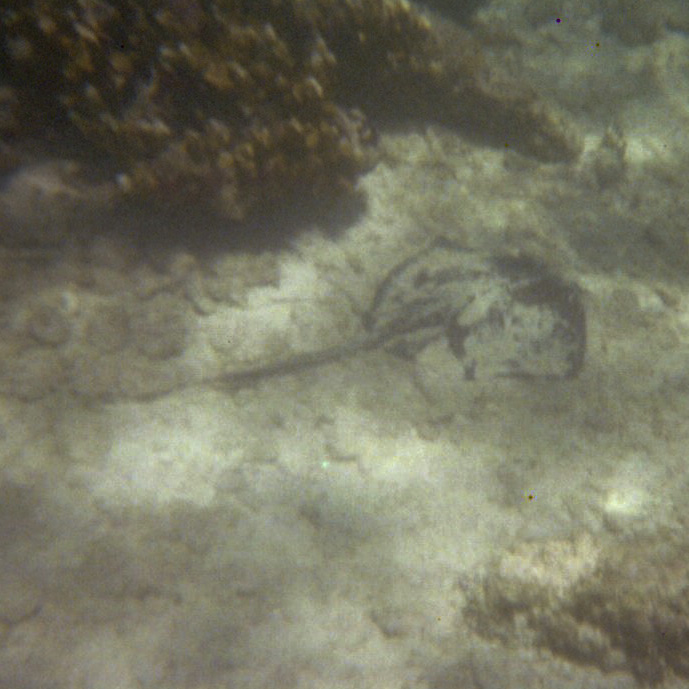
x=502, y=316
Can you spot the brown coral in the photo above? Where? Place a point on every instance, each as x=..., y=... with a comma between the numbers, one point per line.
x=243, y=105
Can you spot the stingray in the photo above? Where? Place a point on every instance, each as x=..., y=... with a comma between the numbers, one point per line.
x=501, y=316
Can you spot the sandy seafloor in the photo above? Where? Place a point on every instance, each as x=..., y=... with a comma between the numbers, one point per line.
x=327, y=528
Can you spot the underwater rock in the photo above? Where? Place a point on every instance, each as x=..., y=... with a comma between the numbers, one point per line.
x=108, y=329
x=637, y=24
x=159, y=328
x=33, y=374
x=634, y=24
x=40, y=202
x=243, y=107
x=49, y=325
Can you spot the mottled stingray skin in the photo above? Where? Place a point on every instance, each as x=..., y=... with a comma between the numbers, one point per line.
x=500, y=315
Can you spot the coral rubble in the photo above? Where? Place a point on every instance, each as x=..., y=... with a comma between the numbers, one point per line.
x=618, y=608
